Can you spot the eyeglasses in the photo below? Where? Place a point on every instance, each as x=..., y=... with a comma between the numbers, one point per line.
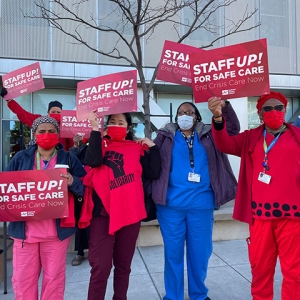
x=188, y=113
x=270, y=108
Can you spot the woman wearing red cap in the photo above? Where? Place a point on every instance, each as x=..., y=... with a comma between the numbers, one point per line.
x=267, y=194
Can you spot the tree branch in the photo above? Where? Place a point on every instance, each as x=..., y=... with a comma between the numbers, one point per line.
x=131, y=24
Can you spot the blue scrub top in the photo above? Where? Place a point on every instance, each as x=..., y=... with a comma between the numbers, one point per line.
x=184, y=194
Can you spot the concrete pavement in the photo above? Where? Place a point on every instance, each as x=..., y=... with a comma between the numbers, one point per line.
x=228, y=278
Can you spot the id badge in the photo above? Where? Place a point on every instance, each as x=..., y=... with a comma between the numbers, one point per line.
x=263, y=177
x=193, y=177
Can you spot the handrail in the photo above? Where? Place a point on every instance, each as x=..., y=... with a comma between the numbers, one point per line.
x=6, y=247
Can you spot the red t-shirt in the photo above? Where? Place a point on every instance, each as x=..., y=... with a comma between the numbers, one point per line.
x=118, y=182
x=279, y=198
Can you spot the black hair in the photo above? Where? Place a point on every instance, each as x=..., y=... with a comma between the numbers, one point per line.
x=198, y=119
x=128, y=119
x=54, y=104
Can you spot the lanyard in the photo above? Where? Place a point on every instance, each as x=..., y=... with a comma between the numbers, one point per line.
x=268, y=148
x=38, y=160
x=190, y=146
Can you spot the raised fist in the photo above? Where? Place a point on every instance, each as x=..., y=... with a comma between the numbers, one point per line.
x=115, y=161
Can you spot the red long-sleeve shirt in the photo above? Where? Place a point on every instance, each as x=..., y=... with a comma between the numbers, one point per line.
x=278, y=199
x=243, y=145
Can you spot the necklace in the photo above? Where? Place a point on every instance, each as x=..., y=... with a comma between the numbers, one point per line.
x=46, y=161
x=44, y=158
x=49, y=158
x=277, y=131
x=187, y=135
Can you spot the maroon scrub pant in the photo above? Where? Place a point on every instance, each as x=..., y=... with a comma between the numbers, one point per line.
x=106, y=250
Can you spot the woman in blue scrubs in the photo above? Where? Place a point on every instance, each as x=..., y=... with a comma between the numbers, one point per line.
x=195, y=178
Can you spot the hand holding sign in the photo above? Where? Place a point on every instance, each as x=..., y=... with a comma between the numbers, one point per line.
x=3, y=92
x=94, y=120
x=215, y=105
x=77, y=139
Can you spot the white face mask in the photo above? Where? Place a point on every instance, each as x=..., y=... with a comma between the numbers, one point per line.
x=185, y=122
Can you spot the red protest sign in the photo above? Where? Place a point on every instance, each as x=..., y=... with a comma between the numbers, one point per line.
x=174, y=65
x=23, y=81
x=109, y=94
x=231, y=72
x=69, y=126
x=33, y=195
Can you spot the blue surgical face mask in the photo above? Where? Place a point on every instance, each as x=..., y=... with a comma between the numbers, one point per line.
x=185, y=122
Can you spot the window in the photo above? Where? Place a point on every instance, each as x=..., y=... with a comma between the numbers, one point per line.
x=275, y=22
x=12, y=13
x=253, y=119
x=24, y=101
x=42, y=98
x=111, y=16
x=204, y=35
x=13, y=140
x=164, y=100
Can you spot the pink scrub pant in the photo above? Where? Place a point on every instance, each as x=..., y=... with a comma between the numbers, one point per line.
x=269, y=240
x=29, y=259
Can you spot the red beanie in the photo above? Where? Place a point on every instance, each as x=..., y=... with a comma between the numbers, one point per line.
x=273, y=95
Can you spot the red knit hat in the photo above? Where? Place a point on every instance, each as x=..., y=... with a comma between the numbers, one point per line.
x=273, y=95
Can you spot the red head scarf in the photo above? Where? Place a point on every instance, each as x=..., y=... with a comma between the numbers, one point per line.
x=273, y=95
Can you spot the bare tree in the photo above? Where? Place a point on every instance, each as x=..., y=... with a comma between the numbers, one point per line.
x=134, y=22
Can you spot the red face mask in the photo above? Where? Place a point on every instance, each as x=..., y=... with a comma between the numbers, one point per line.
x=56, y=117
x=273, y=119
x=47, y=141
x=117, y=133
